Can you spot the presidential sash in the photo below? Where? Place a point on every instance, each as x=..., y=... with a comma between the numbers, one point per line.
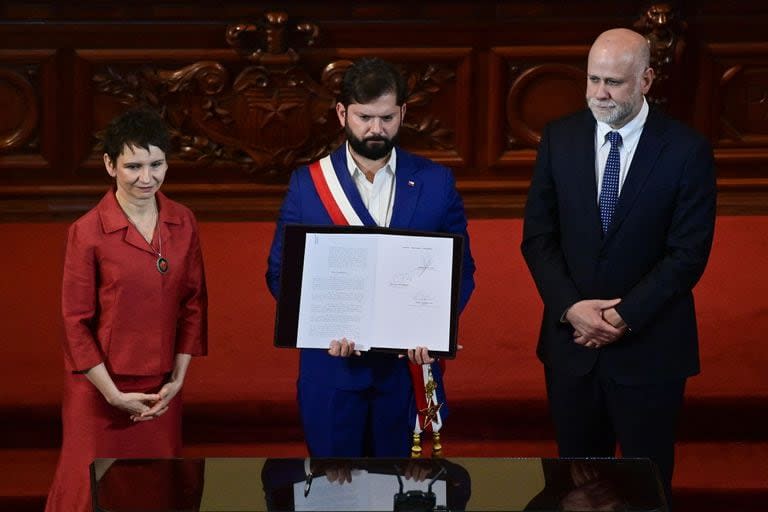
x=429, y=395
x=331, y=194
x=428, y=392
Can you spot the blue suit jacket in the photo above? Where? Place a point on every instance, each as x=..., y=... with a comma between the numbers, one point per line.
x=425, y=200
x=651, y=257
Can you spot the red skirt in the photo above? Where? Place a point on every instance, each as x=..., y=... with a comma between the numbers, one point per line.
x=94, y=429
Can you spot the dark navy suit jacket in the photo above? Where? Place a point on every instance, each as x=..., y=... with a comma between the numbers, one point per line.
x=651, y=257
x=425, y=200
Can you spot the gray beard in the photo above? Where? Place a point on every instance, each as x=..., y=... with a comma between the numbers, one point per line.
x=620, y=113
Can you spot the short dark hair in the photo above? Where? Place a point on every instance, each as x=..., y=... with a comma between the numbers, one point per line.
x=370, y=78
x=138, y=128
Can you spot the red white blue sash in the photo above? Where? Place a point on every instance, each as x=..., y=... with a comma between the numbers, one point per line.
x=331, y=194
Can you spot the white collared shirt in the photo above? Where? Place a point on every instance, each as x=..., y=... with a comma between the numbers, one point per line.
x=379, y=196
x=630, y=136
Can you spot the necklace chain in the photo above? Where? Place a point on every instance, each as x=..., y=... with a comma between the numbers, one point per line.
x=161, y=263
x=159, y=250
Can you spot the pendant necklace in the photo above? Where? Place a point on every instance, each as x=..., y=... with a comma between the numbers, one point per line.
x=161, y=263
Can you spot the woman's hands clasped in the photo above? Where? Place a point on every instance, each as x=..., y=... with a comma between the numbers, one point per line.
x=140, y=406
x=134, y=404
x=160, y=406
x=146, y=406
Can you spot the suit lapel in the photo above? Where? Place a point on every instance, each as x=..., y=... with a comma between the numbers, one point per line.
x=168, y=215
x=643, y=163
x=407, y=189
x=583, y=154
x=339, y=160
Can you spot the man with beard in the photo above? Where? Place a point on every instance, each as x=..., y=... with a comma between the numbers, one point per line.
x=618, y=228
x=354, y=403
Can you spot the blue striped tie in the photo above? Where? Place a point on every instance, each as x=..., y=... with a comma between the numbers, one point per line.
x=609, y=192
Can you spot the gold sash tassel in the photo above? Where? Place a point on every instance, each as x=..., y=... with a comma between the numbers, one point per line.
x=437, y=447
x=416, y=446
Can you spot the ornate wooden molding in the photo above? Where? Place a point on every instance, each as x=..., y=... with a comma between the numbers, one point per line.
x=265, y=118
x=743, y=115
x=251, y=100
x=664, y=28
x=266, y=41
x=535, y=84
x=265, y=121
x=20, y=111
x=25, y=95
x=558, y=83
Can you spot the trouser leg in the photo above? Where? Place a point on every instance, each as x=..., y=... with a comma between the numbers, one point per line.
x=645, y=417
x=582, y=425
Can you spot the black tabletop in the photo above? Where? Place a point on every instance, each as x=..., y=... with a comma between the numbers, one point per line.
x=473, y=484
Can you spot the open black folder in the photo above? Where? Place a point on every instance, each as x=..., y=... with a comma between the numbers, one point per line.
x=365, y=484
x=412, y=302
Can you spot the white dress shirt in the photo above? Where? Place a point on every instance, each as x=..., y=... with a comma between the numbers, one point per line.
x=630, y=136
x=379, y=196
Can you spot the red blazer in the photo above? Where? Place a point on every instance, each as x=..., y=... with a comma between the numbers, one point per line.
x=117, y=308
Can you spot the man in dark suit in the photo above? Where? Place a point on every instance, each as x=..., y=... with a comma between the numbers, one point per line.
x=618, y=228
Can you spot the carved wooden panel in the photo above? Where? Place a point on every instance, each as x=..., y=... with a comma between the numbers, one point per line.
x=231, y=120
x=249, y=92
x=732, y=96
x=740, y=95
x=26, y=109
x=18, y=102
x=252, y=122
x=664, y=28
x=535, y=85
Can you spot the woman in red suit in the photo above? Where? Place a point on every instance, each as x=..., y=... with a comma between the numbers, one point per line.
x=134, y=305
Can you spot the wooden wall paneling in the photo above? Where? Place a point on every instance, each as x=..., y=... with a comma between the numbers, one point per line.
x=705, y=110
x=117, y=79
x=206, y=97
x=490, y=73
x=734, y=94
x=741, y=95
x=665, y=29
x=31, y=102
x=28, y=120
x=385, y=10
x=111, y=80
x=530, y=86
x=437, y=123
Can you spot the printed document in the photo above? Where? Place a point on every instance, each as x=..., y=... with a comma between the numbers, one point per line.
x=378, y=290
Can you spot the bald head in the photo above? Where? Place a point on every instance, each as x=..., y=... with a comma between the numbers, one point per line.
x=618, y=76
x=623, y=44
